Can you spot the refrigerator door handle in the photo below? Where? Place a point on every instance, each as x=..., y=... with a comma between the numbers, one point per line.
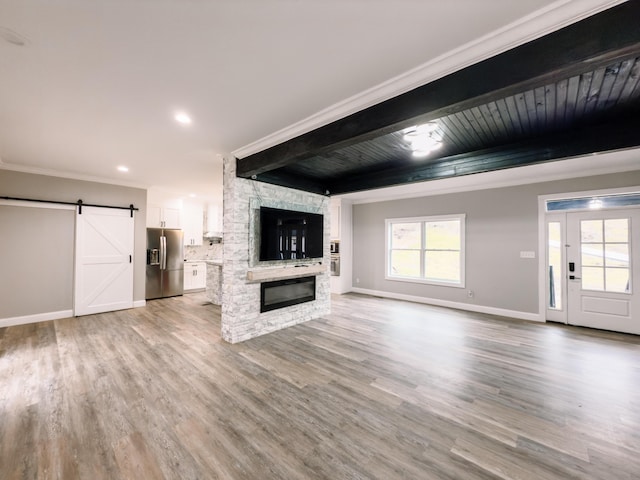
x=163, y=252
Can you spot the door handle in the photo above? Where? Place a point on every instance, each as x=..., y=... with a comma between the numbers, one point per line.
x=573, y=277
x=163, y=253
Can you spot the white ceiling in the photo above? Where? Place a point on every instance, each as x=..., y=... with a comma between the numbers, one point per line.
x=98, y=81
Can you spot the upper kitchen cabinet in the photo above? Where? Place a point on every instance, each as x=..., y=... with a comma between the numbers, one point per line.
x=163, y=210
x=335, y=222
x=163, y=217
x=193, y=220
x=214, y=220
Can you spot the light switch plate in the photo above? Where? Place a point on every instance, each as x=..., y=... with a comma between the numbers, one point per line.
x=527, y=254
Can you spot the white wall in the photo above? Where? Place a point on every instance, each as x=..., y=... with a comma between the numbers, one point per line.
x=500, y=223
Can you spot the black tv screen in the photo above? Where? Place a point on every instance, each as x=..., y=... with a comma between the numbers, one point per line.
x=290, y=235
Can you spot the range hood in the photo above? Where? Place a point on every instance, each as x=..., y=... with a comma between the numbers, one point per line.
x=214, y=237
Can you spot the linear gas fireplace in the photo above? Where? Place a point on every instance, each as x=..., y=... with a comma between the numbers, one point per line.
x=284, y=293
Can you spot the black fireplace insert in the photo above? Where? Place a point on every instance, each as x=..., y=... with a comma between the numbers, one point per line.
x=284, y=293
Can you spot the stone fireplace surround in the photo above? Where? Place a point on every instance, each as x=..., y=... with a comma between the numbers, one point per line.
x=242, y=272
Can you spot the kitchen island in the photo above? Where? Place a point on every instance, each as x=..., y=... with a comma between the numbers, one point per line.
x=214, y=281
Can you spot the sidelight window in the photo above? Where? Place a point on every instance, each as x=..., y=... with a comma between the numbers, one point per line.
x=426, y=249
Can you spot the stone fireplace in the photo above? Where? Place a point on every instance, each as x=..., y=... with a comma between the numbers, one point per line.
x=246, y=312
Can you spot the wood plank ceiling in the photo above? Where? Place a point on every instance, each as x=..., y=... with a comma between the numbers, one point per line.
x=572, y=92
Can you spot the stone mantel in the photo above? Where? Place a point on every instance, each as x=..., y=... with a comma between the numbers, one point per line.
x=257, y=275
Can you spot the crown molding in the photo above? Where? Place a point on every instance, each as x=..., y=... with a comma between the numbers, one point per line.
x=539, y=23
x=69, y=175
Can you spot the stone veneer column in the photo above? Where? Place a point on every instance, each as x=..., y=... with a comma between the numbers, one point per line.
x=241, y=317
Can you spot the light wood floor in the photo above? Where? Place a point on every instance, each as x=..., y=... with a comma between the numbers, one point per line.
x=380, y=389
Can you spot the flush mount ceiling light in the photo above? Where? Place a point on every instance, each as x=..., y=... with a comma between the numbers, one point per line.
x=122, y=168
x=424, y=138
x=595, y=204
x=182, y=118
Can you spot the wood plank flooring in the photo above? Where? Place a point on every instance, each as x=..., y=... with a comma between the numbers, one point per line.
x=380, y=389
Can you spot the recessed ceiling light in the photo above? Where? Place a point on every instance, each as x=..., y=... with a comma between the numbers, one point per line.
x=182, y=118
x=122, y=168
x=192, y=195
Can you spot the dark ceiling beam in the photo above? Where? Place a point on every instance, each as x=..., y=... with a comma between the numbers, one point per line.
x=596, y=41
x=611, y=136
x=299, y=182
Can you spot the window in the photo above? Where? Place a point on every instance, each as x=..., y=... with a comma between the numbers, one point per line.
x=604, y=246
x=554, y=260
x=594, y=202
x=426, y=249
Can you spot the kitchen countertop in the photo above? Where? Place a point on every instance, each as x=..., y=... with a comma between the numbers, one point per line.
x=207, y=261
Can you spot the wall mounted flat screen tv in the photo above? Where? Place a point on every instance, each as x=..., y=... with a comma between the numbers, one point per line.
x=290, y=235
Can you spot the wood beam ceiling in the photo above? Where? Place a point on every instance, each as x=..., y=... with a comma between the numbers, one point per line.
x=581, y=47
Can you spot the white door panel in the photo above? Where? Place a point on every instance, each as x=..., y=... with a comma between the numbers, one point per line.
x=104, y=260
x=602, y=264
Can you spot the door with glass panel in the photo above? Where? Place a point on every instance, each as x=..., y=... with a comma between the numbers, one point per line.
x=602, y=261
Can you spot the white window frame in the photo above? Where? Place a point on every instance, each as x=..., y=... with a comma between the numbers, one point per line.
x=461, y=217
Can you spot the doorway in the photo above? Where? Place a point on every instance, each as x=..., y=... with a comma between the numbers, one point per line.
x=592, y=260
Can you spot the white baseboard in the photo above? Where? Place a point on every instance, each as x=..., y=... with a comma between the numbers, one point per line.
x=43, y=317
x=534, y=317
x=38, y=317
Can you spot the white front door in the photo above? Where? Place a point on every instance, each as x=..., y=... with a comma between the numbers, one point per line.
x=104, y=260
x=603, y=269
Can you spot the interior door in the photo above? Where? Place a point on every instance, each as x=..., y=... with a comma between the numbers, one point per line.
x=104, y=260
x=603, y=269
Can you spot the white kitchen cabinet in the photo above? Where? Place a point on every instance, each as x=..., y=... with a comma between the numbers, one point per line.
x=195, y=276
x=214, y=220
x=193, y=214
x=159, y=216
x=335, y=222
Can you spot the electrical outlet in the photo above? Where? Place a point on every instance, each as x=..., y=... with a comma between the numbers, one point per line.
x=470, y=293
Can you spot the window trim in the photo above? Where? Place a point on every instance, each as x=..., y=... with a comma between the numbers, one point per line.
x=461, y=217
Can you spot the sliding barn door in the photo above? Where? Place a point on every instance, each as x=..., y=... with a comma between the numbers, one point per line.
x=104, y=260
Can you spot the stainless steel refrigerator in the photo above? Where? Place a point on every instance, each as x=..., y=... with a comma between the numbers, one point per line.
x=165, y=263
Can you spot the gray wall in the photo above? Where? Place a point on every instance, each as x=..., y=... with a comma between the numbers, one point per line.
x=500, y=223
x=36, y=244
